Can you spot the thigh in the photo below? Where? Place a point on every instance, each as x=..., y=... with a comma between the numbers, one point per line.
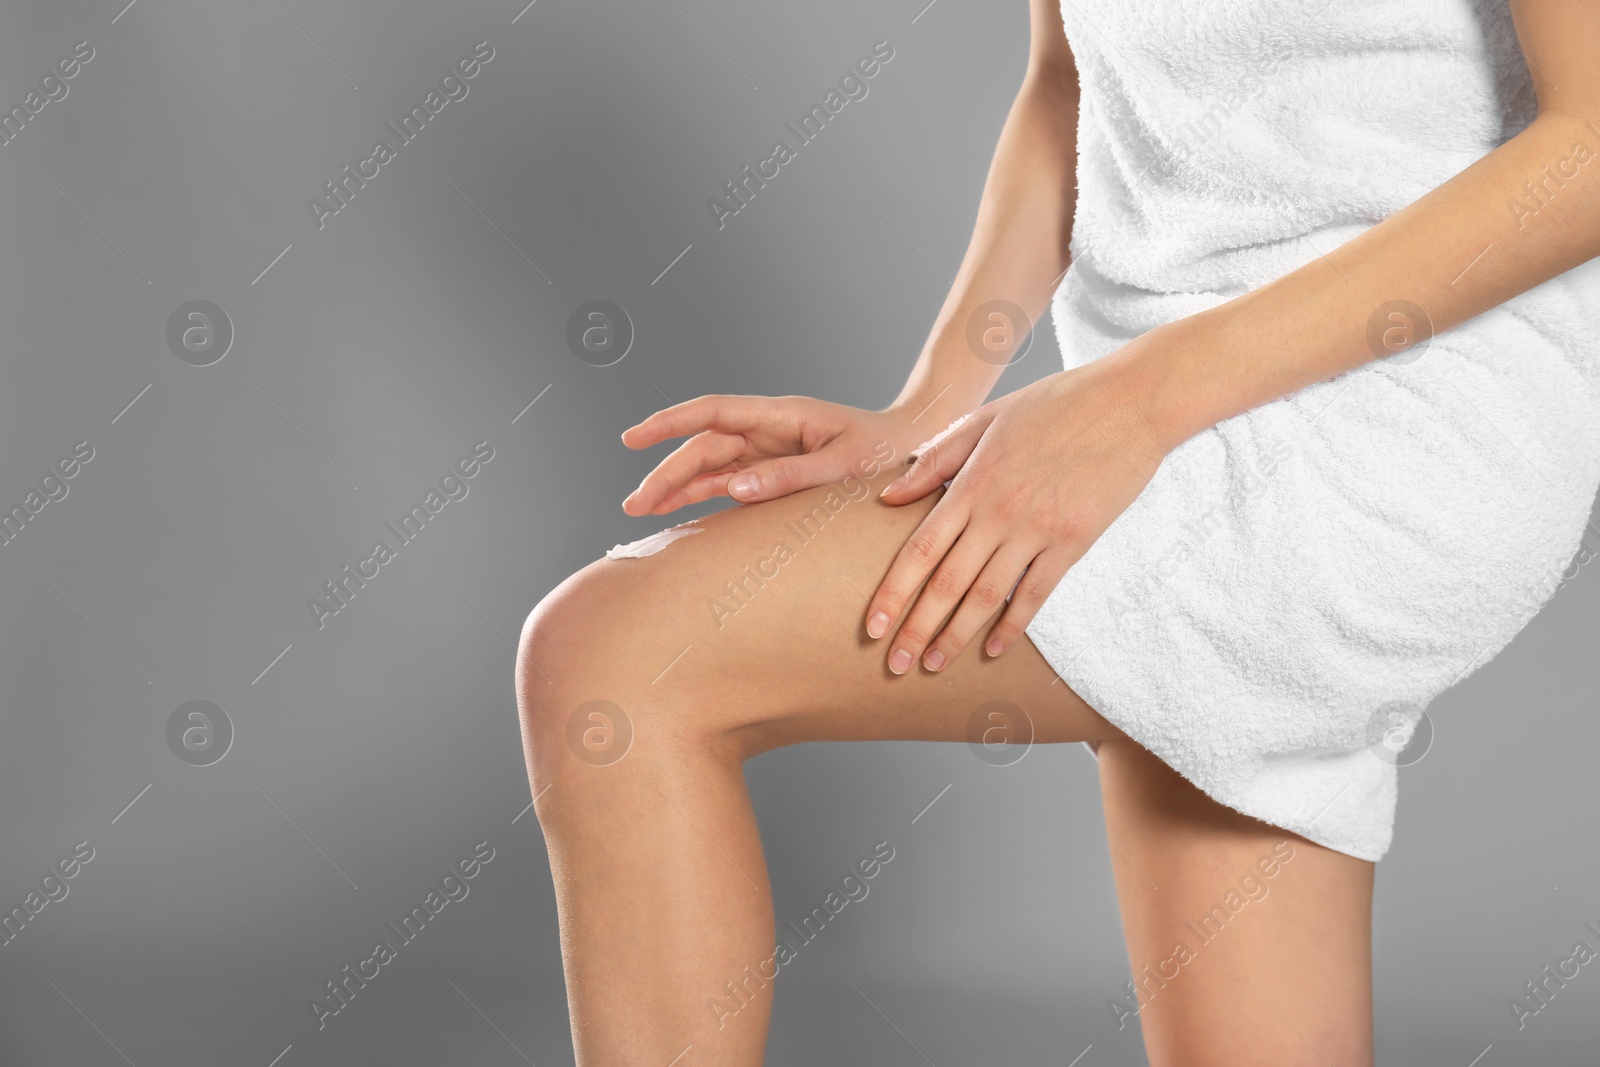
x=754, y=629
x=1249, y=944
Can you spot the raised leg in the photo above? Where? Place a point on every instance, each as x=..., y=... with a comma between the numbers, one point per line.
x=718, y=647
x=1249, y=945
x=644, y=685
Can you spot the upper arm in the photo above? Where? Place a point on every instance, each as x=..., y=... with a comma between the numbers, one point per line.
x=1561, y=41
x=1049, y=55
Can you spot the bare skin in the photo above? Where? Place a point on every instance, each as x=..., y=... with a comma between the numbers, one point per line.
x=660, y=879
x=893, y=622
x=1286, y=980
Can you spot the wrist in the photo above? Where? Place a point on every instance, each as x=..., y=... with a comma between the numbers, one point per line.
x=924, y=418
x=950, y=379
x=926, y=411
x=1165, y=382
x=1156, y=399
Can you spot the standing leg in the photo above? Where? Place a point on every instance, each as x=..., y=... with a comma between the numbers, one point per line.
x=1250, y=945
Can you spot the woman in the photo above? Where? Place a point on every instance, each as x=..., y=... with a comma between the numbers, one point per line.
x=1328, y=432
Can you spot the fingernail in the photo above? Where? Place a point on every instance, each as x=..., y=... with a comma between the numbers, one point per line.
x=995, y=646
x=933, y=660
x=742, y=485
x=878, y=625
x=891, y=487
x=900, y=662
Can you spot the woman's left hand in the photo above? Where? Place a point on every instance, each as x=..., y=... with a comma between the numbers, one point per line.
x=1039, y=474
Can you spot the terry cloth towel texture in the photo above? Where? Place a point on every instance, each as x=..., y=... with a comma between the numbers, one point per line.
x=1293, y=575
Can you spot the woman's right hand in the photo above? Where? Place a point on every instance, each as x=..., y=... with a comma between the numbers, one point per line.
x=761, y=447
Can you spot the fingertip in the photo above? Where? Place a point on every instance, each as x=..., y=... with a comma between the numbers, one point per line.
x=641, y=429
x=995, y=646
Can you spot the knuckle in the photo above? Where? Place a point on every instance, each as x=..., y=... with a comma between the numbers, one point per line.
x=913, y=636
x=1014, y=502
x=1032, y=591
x=1066, y=527
x=984, y=595
x=922, y=548
x=784, y=473
x=946, y=584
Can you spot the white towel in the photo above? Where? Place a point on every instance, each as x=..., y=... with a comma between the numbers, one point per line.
x=1300, y=578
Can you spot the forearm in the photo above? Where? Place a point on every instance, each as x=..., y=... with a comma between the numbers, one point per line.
x=1018, y=250
x=1464, y=248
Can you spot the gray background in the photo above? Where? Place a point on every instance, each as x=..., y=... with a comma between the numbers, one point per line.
x=425, y=317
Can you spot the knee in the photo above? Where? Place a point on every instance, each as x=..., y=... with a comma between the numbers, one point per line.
x=589, y=676
x=560, y=666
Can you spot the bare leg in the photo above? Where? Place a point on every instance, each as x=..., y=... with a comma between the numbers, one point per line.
x=660, y=880
x=1249, y=945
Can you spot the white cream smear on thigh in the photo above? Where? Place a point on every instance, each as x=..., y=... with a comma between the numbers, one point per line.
x=916, y=453
x=649, y=546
